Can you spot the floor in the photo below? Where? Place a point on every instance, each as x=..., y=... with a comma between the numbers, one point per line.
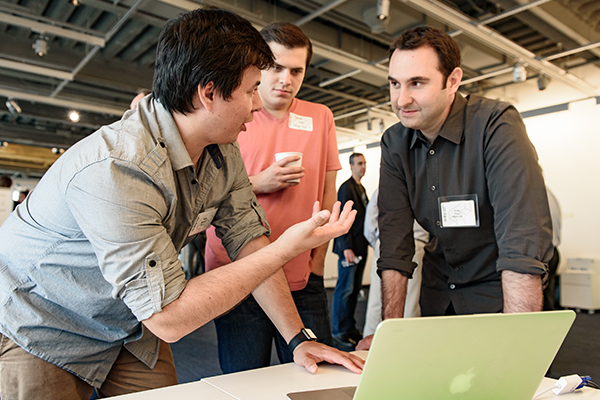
x=196, y=354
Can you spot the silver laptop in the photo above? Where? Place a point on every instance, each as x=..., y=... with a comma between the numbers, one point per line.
x=483, y=356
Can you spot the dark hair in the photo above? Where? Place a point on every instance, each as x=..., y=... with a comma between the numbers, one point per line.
x=202, y=46
x=5, y=181
x=288, y=35
x=353, y=156
x=446, y=48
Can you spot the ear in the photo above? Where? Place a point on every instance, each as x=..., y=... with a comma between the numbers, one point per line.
x=206, y=95
x=454, y=79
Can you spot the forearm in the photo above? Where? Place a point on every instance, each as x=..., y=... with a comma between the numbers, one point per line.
x=521, y=292
x=275, y=298
x=393, y=290
x=214, y=293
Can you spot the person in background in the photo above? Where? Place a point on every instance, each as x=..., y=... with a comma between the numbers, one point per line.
x=465, y=169
x=22, y=196
x=141, y=94
x=91, y=286
x=285, y=124
x=351, y=249
x=411, y=307
x=5, y=181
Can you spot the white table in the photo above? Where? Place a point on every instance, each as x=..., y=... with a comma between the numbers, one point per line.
x=273, y=383
x=199, y=390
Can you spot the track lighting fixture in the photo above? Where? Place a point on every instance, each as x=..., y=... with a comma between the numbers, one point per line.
x=40, y=46
x=13, y=106
x=383, y=9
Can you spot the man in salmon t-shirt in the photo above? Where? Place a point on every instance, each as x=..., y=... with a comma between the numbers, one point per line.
x=285, y=124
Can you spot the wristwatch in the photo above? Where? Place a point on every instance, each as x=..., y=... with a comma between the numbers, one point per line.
x=304, y=335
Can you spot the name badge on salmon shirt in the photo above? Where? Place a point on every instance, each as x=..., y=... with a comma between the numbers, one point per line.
x=203, y=221
x=300, y=122
x=459, y=211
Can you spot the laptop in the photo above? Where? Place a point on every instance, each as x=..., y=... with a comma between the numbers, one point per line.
x=483, y=356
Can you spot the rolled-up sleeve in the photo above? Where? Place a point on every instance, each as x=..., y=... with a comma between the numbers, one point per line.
x=397, y=246
x=121, y=215
x=522, y=221
x=240, y=218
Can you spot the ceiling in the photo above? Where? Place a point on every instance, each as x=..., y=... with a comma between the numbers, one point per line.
x=101, y=53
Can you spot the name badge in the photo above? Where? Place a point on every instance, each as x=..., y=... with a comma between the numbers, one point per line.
x=300, y=122
x=459, y=211
x=203, y=221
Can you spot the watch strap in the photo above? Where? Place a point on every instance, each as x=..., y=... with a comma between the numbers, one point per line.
x=304, y=335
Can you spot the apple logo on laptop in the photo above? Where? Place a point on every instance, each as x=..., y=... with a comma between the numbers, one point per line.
x=462, y=382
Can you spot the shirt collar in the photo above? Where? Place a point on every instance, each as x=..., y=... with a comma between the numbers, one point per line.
x=168, y=133
x=453, y=127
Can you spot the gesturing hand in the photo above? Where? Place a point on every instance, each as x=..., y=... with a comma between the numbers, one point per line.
x=320, y=228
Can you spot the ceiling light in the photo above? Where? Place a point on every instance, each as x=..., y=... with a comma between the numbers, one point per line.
x=519, y=73
x=383, y=9
x=74, y=116
x=40, y=46
x=13, y=106
x=543, y=82
x=75, y=2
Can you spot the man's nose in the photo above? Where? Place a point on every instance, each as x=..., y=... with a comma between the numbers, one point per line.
x=256, y=102
x=284, y=77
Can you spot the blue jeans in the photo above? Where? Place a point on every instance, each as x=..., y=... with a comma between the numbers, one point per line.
x=345, y=296
x=245, y=334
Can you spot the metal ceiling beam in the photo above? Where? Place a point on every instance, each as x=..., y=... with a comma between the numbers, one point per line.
x=494, y=40
x=319, y=12
x=76, y=105
x=35, y=69
x=96, y=49
x=319, y=49
x=52, y=30
x=560, y=26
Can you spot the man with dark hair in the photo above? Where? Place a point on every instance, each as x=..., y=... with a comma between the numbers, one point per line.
x=285, y=124
x=465, y=169
x=90, y=283
x=351, y=249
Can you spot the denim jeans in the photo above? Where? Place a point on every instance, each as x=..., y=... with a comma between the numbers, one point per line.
x=245, y=334
x=345, y=296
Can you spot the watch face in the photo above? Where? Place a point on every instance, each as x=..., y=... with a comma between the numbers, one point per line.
x=309, y=334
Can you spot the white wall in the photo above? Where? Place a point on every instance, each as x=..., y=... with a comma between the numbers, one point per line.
x=567, y=144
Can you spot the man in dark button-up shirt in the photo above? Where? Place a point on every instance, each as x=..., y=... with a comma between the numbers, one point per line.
x=465, y=169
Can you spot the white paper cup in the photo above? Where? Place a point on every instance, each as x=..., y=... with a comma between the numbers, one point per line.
x=298, y=163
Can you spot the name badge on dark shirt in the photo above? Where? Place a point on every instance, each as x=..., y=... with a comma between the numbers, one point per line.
x=459, y=211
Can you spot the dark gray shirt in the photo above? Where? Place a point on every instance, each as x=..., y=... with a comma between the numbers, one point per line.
x=483, y=171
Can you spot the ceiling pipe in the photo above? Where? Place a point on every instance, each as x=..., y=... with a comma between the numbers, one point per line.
x=79, y=105
x=52, y=29
x=494, y=40
x=95, y=50
x=503, y=15
x=549, y=58
x=557, y=24
x=319, y=12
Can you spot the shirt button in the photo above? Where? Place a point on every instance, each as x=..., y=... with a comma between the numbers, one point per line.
x=437, y=223
x=431, y=152
x=194, y=182
x=152, y=263
x=433, y=187
x=452, y=286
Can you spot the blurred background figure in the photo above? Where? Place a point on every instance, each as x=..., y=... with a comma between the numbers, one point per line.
x=141, y=94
